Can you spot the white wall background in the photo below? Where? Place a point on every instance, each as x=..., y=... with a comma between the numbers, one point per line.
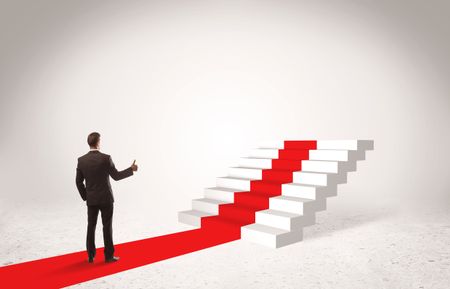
x=186, y=87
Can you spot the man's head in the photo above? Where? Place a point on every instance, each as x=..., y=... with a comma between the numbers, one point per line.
x=93, y=140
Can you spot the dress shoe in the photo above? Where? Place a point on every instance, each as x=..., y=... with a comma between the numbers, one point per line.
x=91, y=259
x=112, y=259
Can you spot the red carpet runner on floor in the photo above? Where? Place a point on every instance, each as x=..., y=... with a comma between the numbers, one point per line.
x=73, y=268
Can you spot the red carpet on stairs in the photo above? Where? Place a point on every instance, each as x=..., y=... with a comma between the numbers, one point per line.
x=242, y=211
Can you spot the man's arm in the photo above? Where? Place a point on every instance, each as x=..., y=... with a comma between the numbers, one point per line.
x=80, y=184
x=118, y=175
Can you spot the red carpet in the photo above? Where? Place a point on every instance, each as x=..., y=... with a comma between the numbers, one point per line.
x=70, y=269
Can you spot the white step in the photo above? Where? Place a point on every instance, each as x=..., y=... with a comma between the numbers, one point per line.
x=284, y=220
x=272, y=144
x=321, y=166
x=352, y=145
x=329, y=155
x=308, y=191
x=336, y=155
x=296, y=205
x=192, y=217
x=331, y=166
x=243, y=172
x=318, y=155
x=264, y=153
x=270, y=236
x=257, y=163
x=239, y=184
x=207, y=205
x=319, y=179
x=220, y=194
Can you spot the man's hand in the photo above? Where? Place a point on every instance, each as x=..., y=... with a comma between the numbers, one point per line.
x=134, y=166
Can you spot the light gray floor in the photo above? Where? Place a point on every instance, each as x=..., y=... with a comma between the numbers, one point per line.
x=379, y=248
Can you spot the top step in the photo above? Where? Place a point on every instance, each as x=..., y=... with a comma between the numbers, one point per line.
x=351, y=145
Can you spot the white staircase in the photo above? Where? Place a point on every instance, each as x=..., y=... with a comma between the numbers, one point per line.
x=289, y=212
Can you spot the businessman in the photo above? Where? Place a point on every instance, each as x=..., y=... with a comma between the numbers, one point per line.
x=95, y=168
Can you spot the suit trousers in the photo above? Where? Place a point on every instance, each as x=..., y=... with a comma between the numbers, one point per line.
x=107, y=214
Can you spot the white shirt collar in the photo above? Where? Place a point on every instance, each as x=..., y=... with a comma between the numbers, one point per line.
x=92, y=150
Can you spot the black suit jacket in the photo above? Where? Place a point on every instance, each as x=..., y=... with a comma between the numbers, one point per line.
x=96, y=167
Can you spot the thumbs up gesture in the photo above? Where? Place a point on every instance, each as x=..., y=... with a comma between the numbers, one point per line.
x=134, y=166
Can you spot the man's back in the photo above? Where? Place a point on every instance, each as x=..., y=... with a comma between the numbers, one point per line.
x=96, y=167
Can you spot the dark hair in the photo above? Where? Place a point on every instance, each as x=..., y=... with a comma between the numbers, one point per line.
x=93, y=139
